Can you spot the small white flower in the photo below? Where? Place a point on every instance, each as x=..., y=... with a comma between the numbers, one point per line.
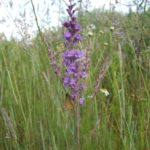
x=90, y=96
x=91, y=27
x=104, y=91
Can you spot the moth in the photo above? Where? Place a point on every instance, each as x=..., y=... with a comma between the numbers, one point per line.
x=68, y=103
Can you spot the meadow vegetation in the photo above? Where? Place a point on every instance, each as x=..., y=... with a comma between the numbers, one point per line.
x=31, y=96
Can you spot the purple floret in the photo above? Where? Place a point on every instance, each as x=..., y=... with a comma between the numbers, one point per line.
x=82, y=101
x=67, y=36
x=77, y=38
x=77, y=27
x=73, y=95
x=66, y=24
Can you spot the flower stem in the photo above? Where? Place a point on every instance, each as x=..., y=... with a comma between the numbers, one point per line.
x=77, y=110
x=77, y=124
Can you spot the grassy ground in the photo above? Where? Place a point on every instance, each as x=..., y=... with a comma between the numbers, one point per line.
x=33, y=102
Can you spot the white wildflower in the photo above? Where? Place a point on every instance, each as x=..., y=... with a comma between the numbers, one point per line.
x=104, y=91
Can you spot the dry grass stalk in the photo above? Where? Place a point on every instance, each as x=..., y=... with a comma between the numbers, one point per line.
x=92, y=131
x=52, y=57
x=53, y=60
x=102, y=72
x=45, y=77
x=9, y=123
x=99, y=79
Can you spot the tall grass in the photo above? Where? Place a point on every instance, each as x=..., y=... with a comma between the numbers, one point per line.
x=33, y=101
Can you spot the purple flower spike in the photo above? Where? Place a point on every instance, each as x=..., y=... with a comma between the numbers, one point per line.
x=74, y=73
x=72, y=26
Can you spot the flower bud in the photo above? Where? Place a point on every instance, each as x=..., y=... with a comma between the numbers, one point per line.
x=105, y=44
x=112, y=28
x=101, y=32
x=90, y=34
